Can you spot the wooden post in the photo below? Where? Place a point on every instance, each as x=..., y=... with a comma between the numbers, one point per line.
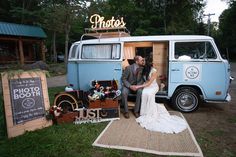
x=43, y=50
x=17, y=52
x=30, y=50
x=22, y=59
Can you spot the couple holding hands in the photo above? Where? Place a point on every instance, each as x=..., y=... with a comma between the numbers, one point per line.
x=140, y=78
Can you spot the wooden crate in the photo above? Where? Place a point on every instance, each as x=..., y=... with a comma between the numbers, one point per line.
x=107, y=103
x=68, y=117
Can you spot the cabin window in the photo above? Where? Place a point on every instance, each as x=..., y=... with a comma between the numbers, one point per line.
x=7, y=50
x=194, y=50
x=73, y=52
x=101, y=51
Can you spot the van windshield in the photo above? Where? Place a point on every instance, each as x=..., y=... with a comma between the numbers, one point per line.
x=101, y=51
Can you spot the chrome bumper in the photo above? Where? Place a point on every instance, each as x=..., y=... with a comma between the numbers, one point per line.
x=231, y=78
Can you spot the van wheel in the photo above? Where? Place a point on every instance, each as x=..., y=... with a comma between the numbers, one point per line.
x=186, y=99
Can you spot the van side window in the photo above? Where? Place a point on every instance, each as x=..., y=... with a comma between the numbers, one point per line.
x=73, y=52
x=101, y=51
x=194, y=50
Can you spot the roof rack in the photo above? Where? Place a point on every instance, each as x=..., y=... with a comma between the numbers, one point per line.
x=100, y=33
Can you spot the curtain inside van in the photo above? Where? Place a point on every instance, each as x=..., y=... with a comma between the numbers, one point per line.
x=106, y=51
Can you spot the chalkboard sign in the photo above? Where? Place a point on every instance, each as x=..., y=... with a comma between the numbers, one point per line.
x=26, y=99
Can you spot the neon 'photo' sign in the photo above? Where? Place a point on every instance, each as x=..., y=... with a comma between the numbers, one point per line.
x=98, y=22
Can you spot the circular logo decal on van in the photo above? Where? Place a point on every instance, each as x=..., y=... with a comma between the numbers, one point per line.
x=192, y=72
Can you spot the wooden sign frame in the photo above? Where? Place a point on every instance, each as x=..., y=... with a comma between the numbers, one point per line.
x=14, y=129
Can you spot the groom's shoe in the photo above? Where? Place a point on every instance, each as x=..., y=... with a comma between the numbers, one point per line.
x=126, y=115
x=136, y=114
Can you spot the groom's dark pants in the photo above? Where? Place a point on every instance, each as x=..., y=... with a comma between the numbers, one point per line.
x=125, y=93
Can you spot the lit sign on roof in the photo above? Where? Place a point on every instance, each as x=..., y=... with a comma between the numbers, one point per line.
x=98, y=22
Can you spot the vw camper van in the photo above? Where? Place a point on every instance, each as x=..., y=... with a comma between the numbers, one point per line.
x=190, y=67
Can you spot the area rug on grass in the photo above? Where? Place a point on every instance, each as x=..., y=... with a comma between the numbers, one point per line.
x=128, y=135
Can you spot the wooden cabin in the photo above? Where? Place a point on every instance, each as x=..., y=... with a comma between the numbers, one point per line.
x=21, y=43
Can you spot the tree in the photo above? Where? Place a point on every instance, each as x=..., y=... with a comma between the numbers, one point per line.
x=58, y=17
x=183, y=16
x=66, y=19
x=227, y=32
x=51, y=20
x=147, y=17
x=71, y=10
x=24, y=11
x=4, y=11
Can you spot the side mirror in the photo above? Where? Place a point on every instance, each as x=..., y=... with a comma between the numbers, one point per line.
x=224, y=56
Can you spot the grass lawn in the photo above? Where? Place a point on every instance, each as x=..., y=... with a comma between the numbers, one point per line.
x=67, y=140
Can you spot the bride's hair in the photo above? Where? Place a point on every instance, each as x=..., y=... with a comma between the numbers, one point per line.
x=148, y=66
x=146, y=70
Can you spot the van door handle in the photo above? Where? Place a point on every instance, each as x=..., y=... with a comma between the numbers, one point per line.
x=117, y=69
x=175, y=70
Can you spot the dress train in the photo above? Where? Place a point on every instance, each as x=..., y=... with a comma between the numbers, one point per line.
x=154, y=116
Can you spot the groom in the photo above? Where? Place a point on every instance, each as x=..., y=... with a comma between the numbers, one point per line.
x=132, y=76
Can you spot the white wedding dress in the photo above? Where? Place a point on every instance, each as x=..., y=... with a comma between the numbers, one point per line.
x=154, y=116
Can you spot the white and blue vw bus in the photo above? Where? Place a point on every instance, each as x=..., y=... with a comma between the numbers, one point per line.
x=190, y=67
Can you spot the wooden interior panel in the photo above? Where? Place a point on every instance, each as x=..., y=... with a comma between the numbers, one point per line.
x=160, y=58
x=138, y=44
x=129, y=52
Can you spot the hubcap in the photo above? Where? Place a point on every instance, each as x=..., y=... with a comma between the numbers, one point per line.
x=187, y=101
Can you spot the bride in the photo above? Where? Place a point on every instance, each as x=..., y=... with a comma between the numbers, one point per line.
x=154, y=116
